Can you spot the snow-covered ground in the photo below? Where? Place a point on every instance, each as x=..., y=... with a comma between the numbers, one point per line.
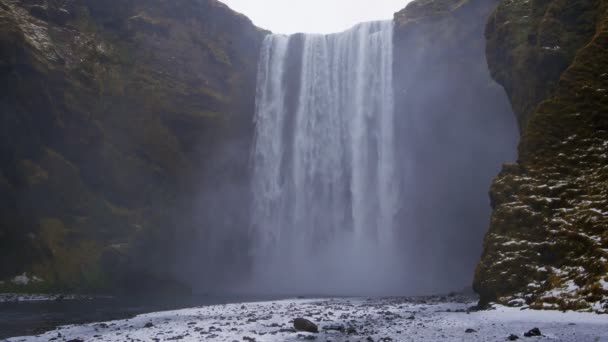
x=371, y=319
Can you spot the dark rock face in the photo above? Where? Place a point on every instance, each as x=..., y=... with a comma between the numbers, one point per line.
x=546, y=246
x=530, y=44
x=456, y=128
x=110, y=113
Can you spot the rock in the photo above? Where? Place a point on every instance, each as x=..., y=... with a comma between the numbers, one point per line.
x=59, y=16
x=531, y=76
x=334, y=327
x=149, y=325
x=302, y=324
x=33, y=2
x=470, y=331
x=39, y=12
x=532, y=333
x=513, y=337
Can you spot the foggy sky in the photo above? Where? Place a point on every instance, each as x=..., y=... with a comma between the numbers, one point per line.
x=314, y=16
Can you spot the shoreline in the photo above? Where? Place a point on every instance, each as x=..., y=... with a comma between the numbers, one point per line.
x=340, y=319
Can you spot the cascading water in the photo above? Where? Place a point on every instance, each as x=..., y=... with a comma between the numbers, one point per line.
x=325, y=192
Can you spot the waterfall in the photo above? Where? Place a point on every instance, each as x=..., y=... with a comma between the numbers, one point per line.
x=325, y=192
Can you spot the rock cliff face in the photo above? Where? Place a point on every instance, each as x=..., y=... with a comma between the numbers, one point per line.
x=547, y=246
x=455, y=128
x=110, y=112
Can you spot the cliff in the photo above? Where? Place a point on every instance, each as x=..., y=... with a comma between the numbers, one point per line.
x=110, y=113
x=547, y=246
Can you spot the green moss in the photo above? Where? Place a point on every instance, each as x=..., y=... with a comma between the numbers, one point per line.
x=218, y=53
x=74, y=263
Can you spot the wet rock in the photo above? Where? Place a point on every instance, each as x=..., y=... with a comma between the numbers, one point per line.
x=33, y=2
x=533, y=333
x=470, y=331
x=60, y=16
x=302, y=324
x=149, y=325
x=513, y=337
x=39, y=12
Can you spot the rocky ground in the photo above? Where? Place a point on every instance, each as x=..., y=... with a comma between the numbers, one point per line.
x=355, y=319
x=20, y=297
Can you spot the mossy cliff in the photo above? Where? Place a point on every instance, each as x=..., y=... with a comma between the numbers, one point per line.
x=109, y=114
x=547, y=246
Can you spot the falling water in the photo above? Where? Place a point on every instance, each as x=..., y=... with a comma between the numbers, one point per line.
x=324, y=182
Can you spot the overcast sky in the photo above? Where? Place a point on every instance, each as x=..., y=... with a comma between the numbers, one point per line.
x=314, y=16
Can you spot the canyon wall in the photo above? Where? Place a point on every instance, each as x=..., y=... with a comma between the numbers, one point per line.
x=112, y=113
x=548, y=238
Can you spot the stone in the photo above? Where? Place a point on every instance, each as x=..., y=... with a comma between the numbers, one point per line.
x=149, y=325
x=513, y=337
x=334, y=327
x=470, y=331
x=39, y=12
x=533, y=333
x=59, y=16
x=33, y=2
x=302, y=324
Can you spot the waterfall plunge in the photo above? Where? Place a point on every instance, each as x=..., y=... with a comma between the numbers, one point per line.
x=325, y=192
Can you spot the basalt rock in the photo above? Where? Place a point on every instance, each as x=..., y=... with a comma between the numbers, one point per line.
x=110, y=112
x=302, y=324
x=547, y=242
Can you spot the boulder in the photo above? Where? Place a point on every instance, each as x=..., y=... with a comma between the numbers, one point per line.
x=302, y=324
x=533, y=333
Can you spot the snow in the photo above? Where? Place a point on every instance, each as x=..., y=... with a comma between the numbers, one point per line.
x=569, y=287
x=604, y=284
x=24, y=279
x=20, y=297
x=381, y=319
